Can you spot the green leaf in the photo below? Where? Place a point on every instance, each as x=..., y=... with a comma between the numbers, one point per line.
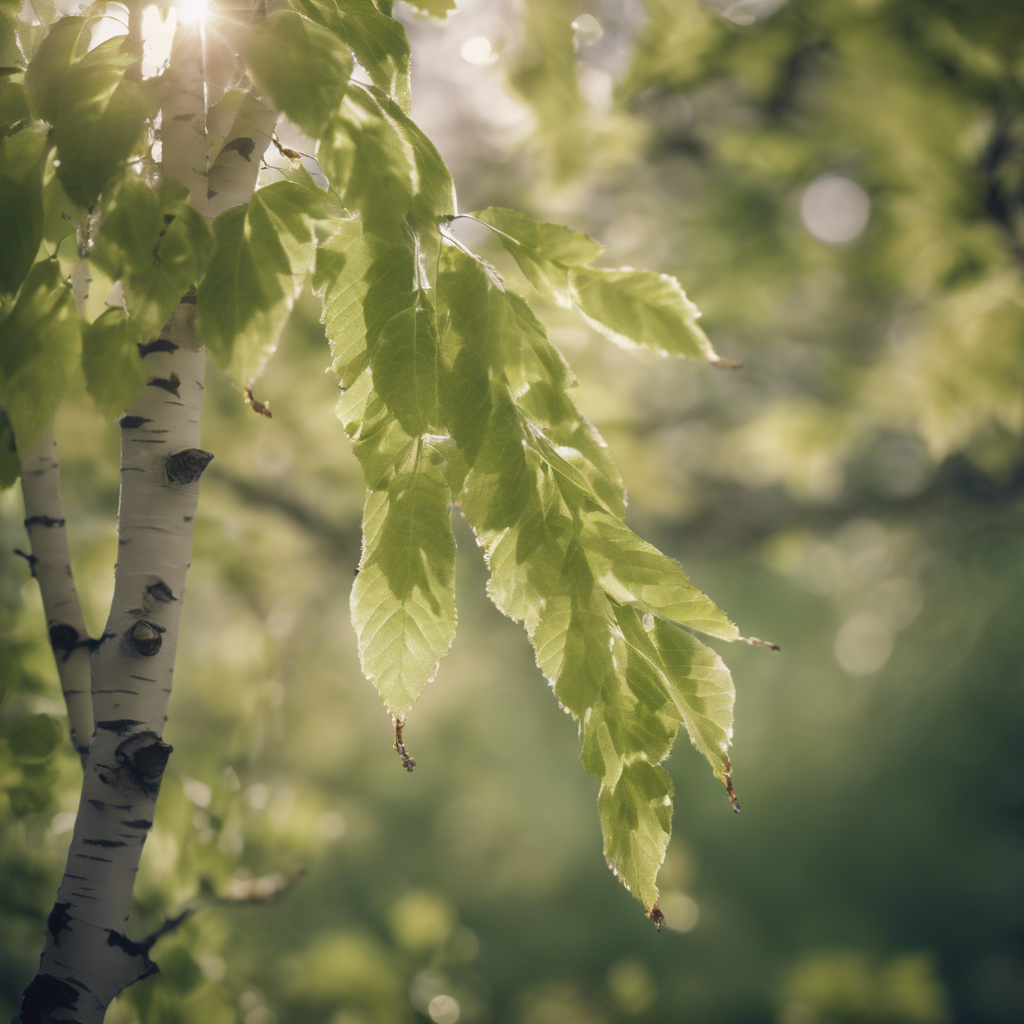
x=545, y=252
x=634, y=572
x=636, y=821
x=14, y=108
x=40, y=343
x=22, y=162
x=97, y=115
x=44, y=78
x=406, y=367
x=11, y=57
x=364, y=283
x=377, y=40
x=262, y=253
x=701, y=688
x=369, y=163
x=403, y=601
x=157, y=246
x=302, y=66
x=112, y=362
x=433, y=188
x=639, y=308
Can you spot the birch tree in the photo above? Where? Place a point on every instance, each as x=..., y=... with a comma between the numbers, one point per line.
x=149, y=187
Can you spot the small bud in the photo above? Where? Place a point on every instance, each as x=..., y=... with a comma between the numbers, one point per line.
x=145, y=638
x=186, y=466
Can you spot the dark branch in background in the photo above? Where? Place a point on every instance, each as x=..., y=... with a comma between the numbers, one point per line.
x=274, y=496
x=736, y=516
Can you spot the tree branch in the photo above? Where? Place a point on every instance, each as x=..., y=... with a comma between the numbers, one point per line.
x=50, y=561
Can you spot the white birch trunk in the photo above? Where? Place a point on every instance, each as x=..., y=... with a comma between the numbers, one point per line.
x=88, y=958
x=50, y=562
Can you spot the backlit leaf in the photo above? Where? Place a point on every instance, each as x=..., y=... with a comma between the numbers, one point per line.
x=40, y=343
x=156, y=245
x=545, y=252
x=406, y=367
x=636, y=821
x=639, y=308
x=263, y=251
x=403, y=601
x=370, y=164
x=114, y=373
x=22, y=162
x=377, y=40
x=301, y=66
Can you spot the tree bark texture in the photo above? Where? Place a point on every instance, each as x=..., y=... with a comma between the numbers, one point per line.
x=88, y=958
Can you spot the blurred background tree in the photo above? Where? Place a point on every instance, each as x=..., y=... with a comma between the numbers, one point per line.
x=840, y=186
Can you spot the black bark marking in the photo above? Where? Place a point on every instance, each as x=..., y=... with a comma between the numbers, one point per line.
x=138, y=823
x=188, y=519
x=187, y=466
x=243, y=146
x=210, y=193
x=156, y=345
x=63, y=639
x=118, y=725
x=145, y=638
x=183, y=117
x=58, y=920
x=106, y=843
x=159, y=591
x=137, y=951
x=97, y=805
x=46, y=521
x=132, y=422
x=45, y=995
x=98, y=642
x=189, y=298
x=143, y=757
x=170, y=384
x=31, y=559
x=102, y=860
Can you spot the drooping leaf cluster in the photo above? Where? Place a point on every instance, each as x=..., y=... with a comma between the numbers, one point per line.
x=452, y=393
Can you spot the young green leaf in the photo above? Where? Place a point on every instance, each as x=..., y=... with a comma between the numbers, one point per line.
x=97, y=118
x=545, y=252
x=369, y=164
x=634, y=572
x=46, y=72
x=263, y=251
x=377, y=40
x=364, y=283
x=406, y=367
x=301, y=66
x=40, y=343
x=114, y=373
x=22, y=162
x=157, y=246
x=403, y=601
x=433, y=188
x=641, y=309
x=636, y=822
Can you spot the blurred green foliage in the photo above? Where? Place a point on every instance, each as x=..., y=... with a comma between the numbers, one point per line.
x=838, y=185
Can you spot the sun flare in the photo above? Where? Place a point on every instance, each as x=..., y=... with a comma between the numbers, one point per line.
x=191, y=11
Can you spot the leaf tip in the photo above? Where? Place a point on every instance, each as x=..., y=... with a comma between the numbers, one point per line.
x=754, y=642
x=408, y=762
x=655, y=915
x=726, y=777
